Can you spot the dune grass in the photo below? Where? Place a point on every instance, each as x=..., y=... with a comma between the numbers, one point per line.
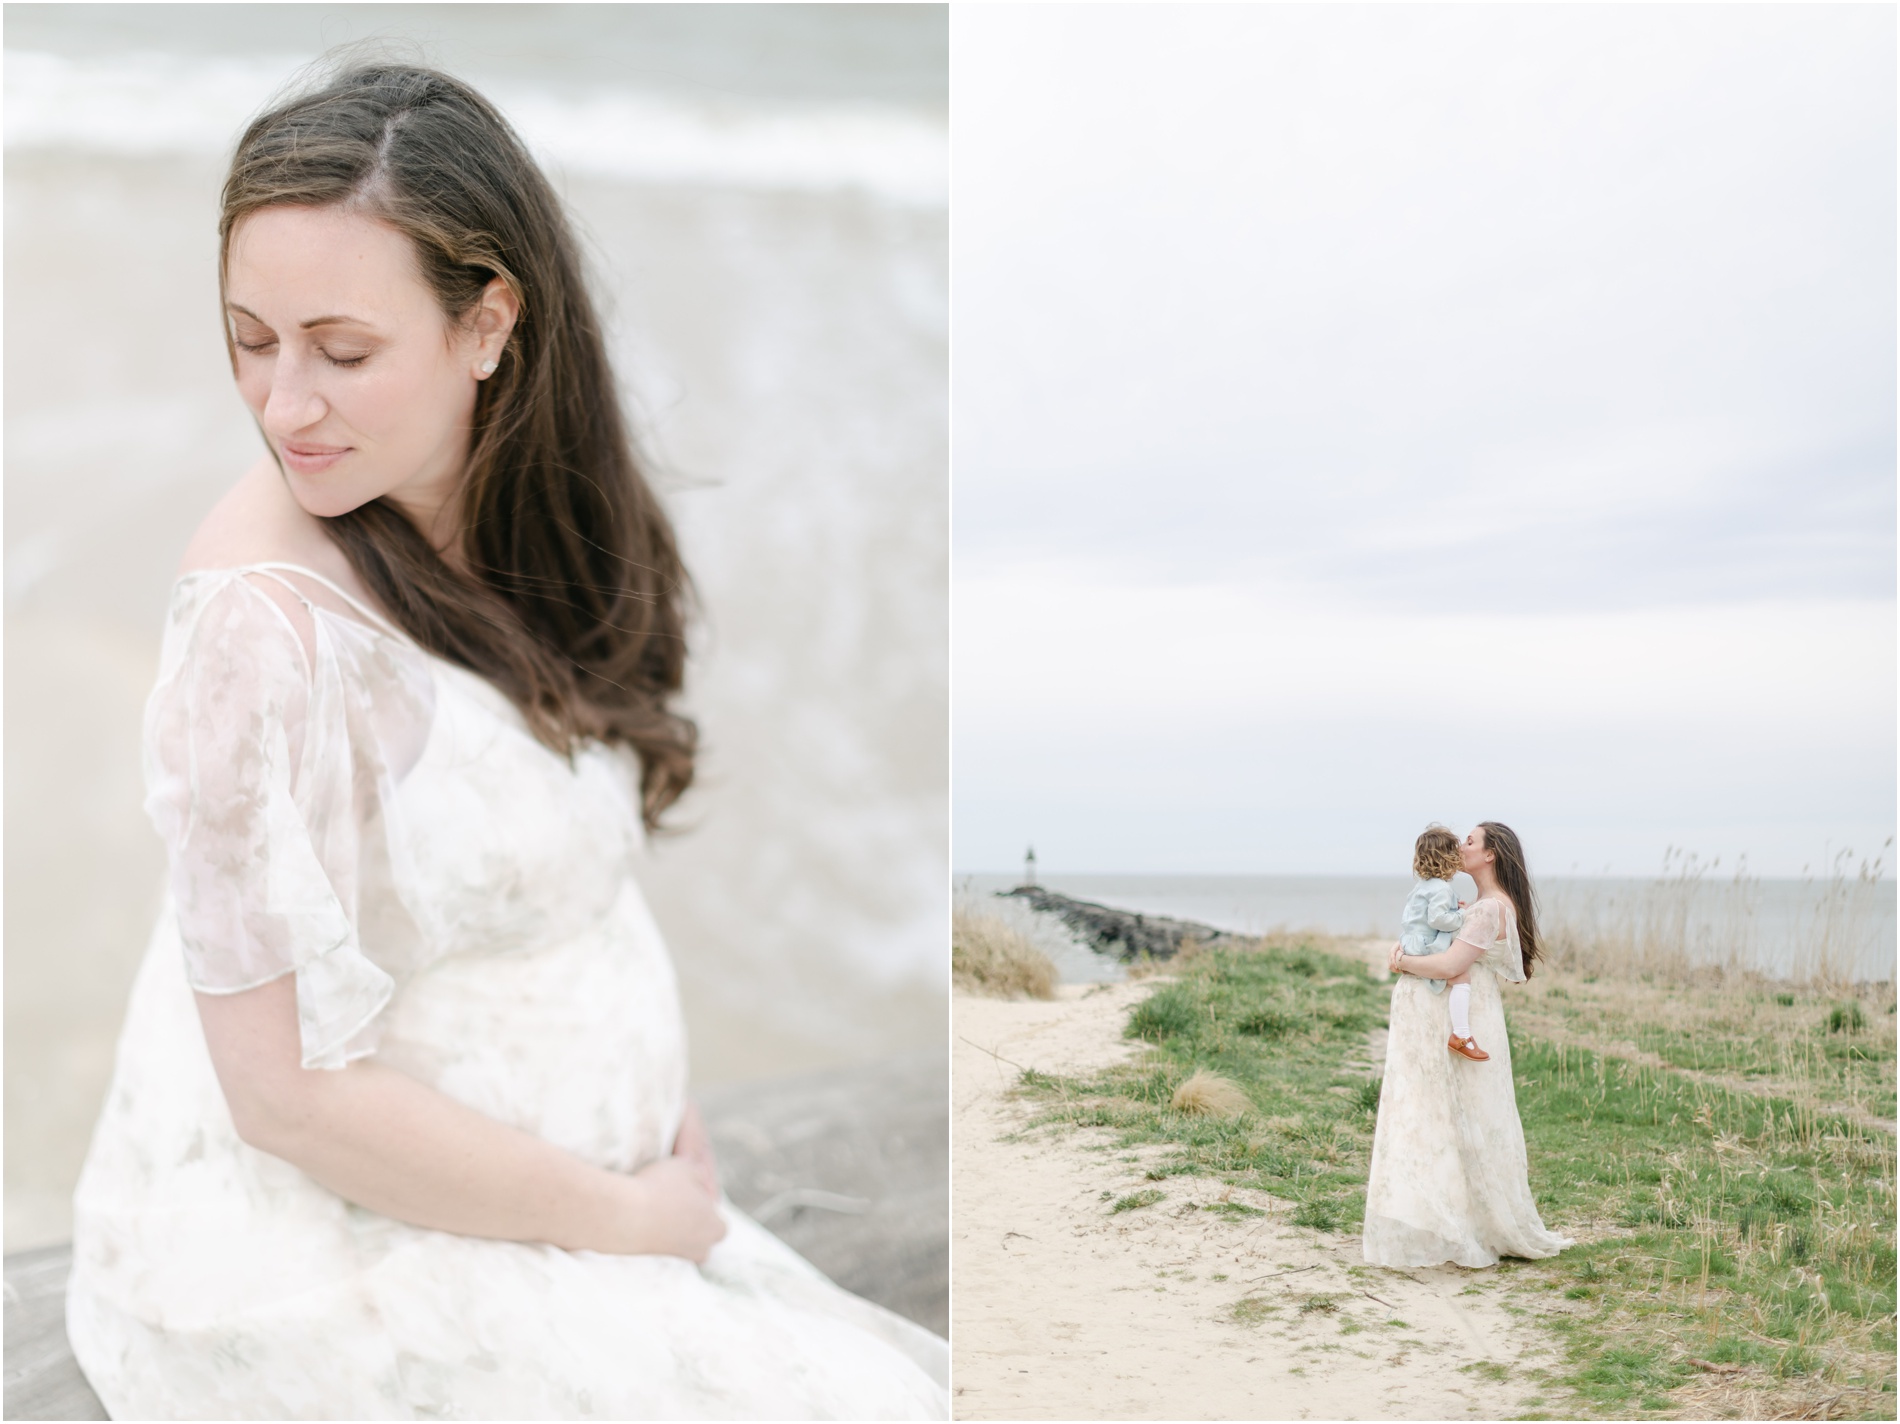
x=1210, y=1095
x=987, y=956
x=1830, y=1047
x=1716, y=1152
x=1694, y=920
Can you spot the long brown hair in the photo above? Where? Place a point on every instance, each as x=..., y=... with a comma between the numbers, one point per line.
x=574, y=606
x=1514, y=879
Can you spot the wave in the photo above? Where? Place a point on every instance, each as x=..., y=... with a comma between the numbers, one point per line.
x=157, y=104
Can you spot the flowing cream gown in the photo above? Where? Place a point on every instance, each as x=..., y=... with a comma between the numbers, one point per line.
x=460, y=901
x=1449, y=1180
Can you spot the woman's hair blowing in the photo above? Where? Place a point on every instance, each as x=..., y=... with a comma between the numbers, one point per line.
x=574, y=603
x=1514, y=879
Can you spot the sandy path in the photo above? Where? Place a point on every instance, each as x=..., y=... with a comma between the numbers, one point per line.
x=1061, y=1310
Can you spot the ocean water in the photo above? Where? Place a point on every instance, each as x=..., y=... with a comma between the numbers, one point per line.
x=772, y=56
x=1770, y=925
x=761, y=193
x=167, y=102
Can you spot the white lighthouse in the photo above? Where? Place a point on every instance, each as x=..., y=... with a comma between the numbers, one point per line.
x=1029, y=868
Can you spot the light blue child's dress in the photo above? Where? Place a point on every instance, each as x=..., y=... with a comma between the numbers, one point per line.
x=1430, y=921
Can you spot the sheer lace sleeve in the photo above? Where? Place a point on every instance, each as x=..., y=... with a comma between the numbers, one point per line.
x=1506, y=955
x=1482, y=923
x=249, y=778
x=1490, y=925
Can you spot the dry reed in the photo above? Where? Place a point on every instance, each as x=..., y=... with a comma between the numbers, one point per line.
x=1210, y=1095
x=988, y=957
x=1694, y=925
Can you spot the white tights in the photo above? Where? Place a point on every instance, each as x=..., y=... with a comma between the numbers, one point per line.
x=1461, y=1010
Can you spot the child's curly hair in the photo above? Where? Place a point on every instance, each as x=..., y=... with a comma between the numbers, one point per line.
x=1436, y=856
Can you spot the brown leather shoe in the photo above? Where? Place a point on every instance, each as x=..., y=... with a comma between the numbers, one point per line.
x=1468, y=1047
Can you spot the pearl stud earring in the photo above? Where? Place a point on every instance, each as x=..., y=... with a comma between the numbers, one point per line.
x=488, y=368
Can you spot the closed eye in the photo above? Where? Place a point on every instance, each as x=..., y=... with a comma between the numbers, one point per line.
x=258, y=348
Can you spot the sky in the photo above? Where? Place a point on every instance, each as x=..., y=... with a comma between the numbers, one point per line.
x=1367, y=416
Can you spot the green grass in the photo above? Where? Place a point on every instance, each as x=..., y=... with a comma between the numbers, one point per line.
x=1716, y=1223
x=1846, y=1018
x=1134, y=1201
x=1805, y=1044
x=1311, y=1128
x=1252, y=1309
x=1727, y=1227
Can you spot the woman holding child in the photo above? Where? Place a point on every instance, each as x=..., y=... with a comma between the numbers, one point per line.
x=1449, y=1181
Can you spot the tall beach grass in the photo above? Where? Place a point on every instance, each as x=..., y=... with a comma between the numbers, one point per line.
x=989, y=956
x=1696, y=923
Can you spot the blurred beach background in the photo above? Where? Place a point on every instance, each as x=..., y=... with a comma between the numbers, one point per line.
x=763, y=193
x=1369, y=416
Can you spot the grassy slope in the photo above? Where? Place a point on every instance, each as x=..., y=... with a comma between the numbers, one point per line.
x=1748, y=1230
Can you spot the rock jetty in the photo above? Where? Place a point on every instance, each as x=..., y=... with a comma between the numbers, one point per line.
x=1123, y=933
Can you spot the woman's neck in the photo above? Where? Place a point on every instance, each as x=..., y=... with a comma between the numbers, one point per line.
x=440, y=524
x=1486, y=880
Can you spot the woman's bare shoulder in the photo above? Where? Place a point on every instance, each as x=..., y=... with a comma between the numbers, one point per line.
x=257, y=522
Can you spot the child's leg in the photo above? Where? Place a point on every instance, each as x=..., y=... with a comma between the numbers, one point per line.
x=1460, y=1004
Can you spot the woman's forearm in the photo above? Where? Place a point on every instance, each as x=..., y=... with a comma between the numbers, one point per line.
x=384, y=1140
x=1446, y=964
x=389, y=1142
x=1427, y=966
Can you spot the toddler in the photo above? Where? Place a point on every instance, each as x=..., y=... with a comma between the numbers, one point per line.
x=1433, y=915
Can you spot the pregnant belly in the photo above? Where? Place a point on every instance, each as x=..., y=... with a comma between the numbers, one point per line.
x=580, y=1043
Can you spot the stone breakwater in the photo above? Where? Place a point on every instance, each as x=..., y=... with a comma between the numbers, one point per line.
x=1122, y=933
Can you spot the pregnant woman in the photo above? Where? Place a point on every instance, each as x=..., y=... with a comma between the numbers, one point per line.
x=398, y=1127
x=1449, y=1181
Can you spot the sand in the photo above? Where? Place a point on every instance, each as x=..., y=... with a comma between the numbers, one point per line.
x=1061, y=1310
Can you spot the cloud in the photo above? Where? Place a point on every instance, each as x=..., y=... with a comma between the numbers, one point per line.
x=1602, y=291
x=1372, y=414
x=1037, y=650
x=1226, y=729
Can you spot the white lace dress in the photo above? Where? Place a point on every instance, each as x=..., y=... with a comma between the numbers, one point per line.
x=1449, y=1180
x=460, y=901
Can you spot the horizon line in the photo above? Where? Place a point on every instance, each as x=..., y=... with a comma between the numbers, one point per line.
x=1718, y=877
